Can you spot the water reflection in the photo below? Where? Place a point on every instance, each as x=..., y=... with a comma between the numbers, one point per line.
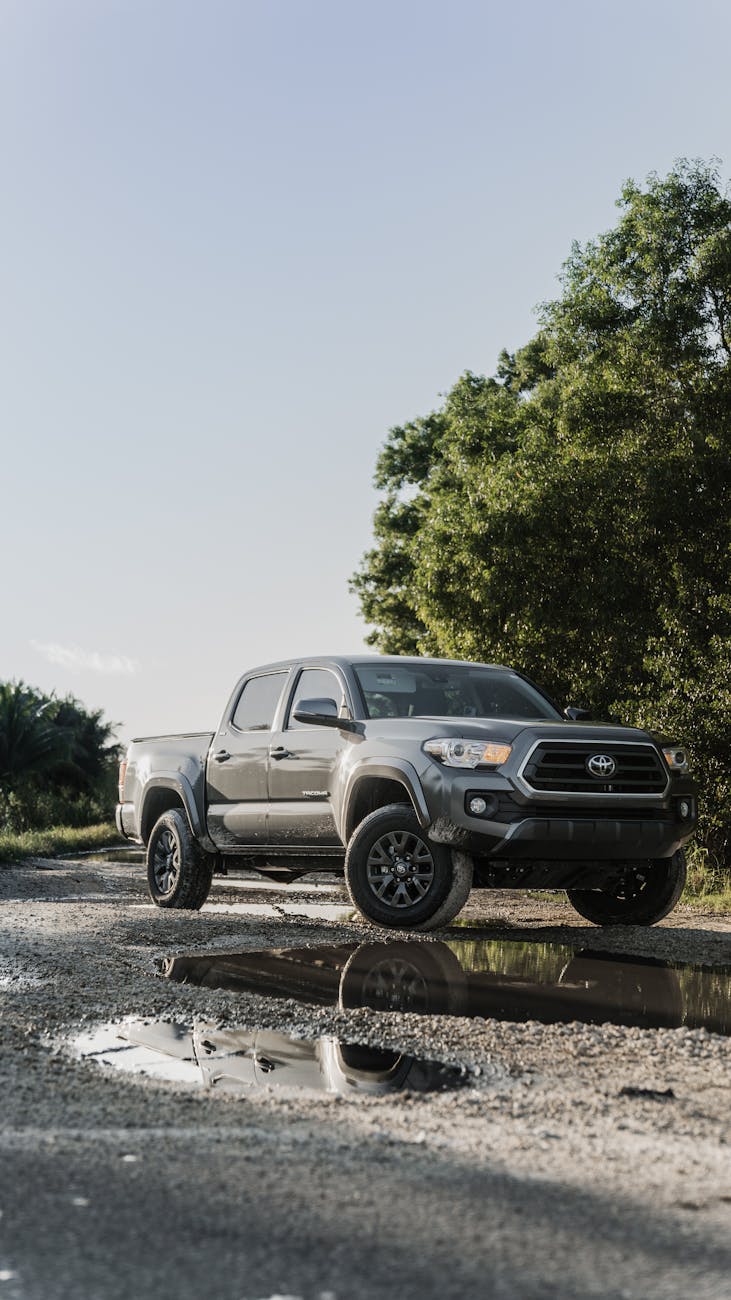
x=494, y=978
x=237, y=1060
x=120, y=855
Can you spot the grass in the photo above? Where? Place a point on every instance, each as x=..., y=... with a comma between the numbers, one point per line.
x=716, y=903
x=709, y=887
x=57, y=839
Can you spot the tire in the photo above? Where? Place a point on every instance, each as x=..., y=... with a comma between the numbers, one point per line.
x=650, y=890
x=424, y=978
x=179, y=872
x=434, y=887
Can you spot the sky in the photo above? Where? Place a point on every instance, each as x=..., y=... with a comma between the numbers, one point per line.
x=239, y=242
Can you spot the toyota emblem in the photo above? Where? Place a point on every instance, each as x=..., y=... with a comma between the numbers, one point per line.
x=601, y=765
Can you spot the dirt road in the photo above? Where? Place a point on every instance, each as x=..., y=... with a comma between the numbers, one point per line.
x=575, y=1160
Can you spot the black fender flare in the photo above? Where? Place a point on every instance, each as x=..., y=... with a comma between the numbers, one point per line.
x=179, y=783
x=390, y=769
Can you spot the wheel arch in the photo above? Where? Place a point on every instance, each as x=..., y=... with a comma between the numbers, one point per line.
x=376, y=784
x=163, y=793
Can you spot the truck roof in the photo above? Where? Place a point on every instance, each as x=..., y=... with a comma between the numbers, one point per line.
x=347, y=661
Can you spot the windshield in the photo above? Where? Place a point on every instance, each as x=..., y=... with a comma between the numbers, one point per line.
x=449, y=691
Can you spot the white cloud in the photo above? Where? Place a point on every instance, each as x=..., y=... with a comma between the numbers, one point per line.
x=70, y=656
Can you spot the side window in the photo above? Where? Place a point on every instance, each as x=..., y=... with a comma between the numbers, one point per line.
x=258, y=702
x=314, y=684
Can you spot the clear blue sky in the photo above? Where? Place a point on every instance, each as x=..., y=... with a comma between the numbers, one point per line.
x=239, y=241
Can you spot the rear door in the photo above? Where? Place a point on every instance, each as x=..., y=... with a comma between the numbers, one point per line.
x=301, y=768
x=237, y=764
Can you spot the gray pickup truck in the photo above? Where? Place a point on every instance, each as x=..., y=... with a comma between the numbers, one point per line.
x=421, y=779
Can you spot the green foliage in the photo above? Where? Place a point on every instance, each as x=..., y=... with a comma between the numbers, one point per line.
x=571, y=515
x=30, y=743
x=57, y=761
x=56, y=839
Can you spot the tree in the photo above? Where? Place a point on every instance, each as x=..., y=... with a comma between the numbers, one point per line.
x=57, y=760
x=92, y=751
x=571, y=515
x=30, y=742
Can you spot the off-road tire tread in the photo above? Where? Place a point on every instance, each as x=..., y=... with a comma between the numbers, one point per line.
x=462, y=873
x=196, y=869
x=595, y=906
x=446, y=906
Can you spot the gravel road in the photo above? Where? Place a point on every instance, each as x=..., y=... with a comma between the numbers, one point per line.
x=537, y=1178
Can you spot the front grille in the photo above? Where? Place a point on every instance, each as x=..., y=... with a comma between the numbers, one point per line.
x=563, y=769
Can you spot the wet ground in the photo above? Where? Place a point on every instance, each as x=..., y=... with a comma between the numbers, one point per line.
x=270, y=1098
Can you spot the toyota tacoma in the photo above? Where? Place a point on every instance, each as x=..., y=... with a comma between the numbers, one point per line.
x=420, y=779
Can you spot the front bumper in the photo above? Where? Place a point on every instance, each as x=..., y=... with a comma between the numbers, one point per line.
x=517, y=828
x=602, y=839
x=568, y=839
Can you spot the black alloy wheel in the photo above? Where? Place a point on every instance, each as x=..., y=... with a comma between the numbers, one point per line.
x=166, y=861
x=400, y=868
x=646, y=892
x=179, y=872
x=398, y=877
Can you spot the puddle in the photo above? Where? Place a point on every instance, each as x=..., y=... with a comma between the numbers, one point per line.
x=494, y=978
x=238, y=1060
x=104, y=855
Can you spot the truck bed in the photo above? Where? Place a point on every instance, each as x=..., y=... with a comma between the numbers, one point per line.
x=165, y=762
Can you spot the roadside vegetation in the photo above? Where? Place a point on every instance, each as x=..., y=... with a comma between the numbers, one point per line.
x=570, y=514
x=58, y=770
x=15, y=845
x=709, y=884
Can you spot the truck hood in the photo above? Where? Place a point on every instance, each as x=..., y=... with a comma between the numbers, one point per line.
x=507, y=730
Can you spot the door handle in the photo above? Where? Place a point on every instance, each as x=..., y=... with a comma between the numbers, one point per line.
x=222, y=756
x=280, y=751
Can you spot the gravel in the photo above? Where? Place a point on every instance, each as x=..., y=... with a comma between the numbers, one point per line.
x=579, y=1160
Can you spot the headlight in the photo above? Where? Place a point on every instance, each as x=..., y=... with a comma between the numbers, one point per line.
x=676, y=759
x=467, y=753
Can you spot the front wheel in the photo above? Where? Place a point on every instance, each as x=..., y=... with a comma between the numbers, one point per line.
x=179, y=873
x=399, y=878
x=647, y=892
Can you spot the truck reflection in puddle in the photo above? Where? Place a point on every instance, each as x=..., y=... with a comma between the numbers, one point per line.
x=237, y=1060
x=500, y=979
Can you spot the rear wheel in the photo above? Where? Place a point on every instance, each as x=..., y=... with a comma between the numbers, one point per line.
x=647, y=892
x=399, y=878
x=179, y=873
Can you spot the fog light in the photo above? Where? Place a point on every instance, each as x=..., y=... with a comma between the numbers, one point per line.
x=684, y=808
x=477, y=804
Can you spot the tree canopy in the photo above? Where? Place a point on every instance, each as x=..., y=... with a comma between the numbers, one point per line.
x=57, y=760
x=570, y=515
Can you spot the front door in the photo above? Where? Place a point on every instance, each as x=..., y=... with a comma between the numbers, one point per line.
x=236, y=775
x=301, y=769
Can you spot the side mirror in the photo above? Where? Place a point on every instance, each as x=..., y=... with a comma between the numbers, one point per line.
x=576, y=715
x=321, y=713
